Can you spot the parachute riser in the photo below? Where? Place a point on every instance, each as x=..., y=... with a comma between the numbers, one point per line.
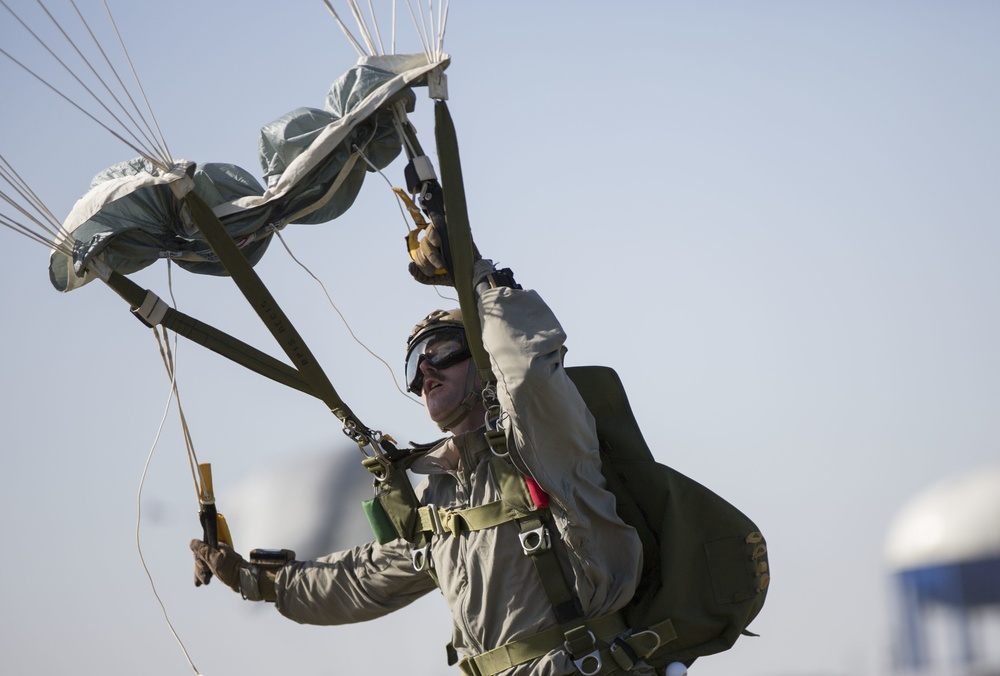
x=205, y=335
x=267, y=308
x=307, y=376
x=458, y=247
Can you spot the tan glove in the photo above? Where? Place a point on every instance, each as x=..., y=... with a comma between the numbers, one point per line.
x=254, y=582
x=427, y=257
x=432, y=279
x=225, y=563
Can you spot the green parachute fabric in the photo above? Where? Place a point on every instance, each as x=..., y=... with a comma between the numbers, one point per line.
x=133, y=216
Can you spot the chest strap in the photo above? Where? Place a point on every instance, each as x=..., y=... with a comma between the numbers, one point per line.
x=433, y=519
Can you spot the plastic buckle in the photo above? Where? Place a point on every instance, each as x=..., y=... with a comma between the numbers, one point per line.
x=535, y=540
x=421, y=558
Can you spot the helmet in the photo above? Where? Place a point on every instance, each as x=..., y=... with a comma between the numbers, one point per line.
x=438, y=338
x=436, y=319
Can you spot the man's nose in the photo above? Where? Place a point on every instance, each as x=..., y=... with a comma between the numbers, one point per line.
x=426, y=366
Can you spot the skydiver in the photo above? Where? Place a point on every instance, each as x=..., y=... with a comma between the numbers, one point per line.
x=507, y=618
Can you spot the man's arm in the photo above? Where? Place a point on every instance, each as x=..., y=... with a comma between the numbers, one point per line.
x=548, y=425
x=350, y=586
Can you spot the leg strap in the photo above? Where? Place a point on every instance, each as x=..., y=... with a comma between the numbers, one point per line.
x=619, y=656
x=526, y=649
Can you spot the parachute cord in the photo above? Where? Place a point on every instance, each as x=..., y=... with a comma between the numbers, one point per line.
x=442, y=26
x=35, y=220
x=135, y=144
x=167, y=356
x=392, y=39
x=170, y=364
x=399, y=202
x=138, y=520
x=47, y=230
x=400, y=121
x=350, y=37
x=362, y=26
x=422, y=34
x=162, y=145
x=378, y=34
x=344, y=319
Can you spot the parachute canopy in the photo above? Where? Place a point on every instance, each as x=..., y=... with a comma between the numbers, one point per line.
x=314, y=164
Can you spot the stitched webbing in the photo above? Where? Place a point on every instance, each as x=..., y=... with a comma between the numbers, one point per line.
x=460, y=249
x=613, y=657
x=208, y=336
x=431, y=519
x=267, y=308
x=534, y=646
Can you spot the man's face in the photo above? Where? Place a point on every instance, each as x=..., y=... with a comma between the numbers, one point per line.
x=444, y=389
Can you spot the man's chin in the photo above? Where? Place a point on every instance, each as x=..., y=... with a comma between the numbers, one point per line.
x=440, y=416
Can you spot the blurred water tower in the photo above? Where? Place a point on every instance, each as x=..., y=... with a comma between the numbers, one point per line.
x=943, y=550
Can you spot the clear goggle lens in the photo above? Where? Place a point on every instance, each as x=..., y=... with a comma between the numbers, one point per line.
x=440, y=349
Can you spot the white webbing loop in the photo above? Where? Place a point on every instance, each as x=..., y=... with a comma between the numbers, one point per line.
x=152, y=311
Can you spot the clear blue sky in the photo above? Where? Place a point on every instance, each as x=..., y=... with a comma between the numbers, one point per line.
x=777, y=220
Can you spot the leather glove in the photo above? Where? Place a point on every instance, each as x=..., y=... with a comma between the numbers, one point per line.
x=225, y=563
x=428, y=257
x=432, y=279
x=254, y=582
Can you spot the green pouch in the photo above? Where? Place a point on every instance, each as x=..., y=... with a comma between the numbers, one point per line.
x=381, y=525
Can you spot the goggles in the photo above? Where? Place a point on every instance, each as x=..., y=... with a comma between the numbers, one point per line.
x=440, y=348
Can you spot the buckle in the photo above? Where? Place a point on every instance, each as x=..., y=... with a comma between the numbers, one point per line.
x=535, y=540
x=623, y=655
x=503, y=277
x=421, y=558
x=435, y=519
x=590, y=664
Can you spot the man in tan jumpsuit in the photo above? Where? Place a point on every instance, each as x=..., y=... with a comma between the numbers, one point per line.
x=491, y=586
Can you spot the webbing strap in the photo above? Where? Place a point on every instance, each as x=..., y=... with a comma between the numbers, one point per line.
x=642, y=644
x=432, y=519
x=459, y=235
x=208, y=336
x=550, y=572
x=536, y=540
x=526, y=649
x=267, y=308
x=510, y=482
x=619, y=655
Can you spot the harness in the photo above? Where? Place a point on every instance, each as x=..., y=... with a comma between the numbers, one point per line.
x=602, y=645
x=593, y=643
x=394, y=511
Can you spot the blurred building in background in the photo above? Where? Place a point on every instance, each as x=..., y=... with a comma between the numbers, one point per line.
x=943, y=551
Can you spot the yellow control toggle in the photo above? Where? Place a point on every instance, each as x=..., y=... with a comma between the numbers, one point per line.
x=413, y=237
x=207, y=499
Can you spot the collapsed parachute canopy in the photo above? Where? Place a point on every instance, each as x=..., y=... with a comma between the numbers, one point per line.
x=314, y=162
